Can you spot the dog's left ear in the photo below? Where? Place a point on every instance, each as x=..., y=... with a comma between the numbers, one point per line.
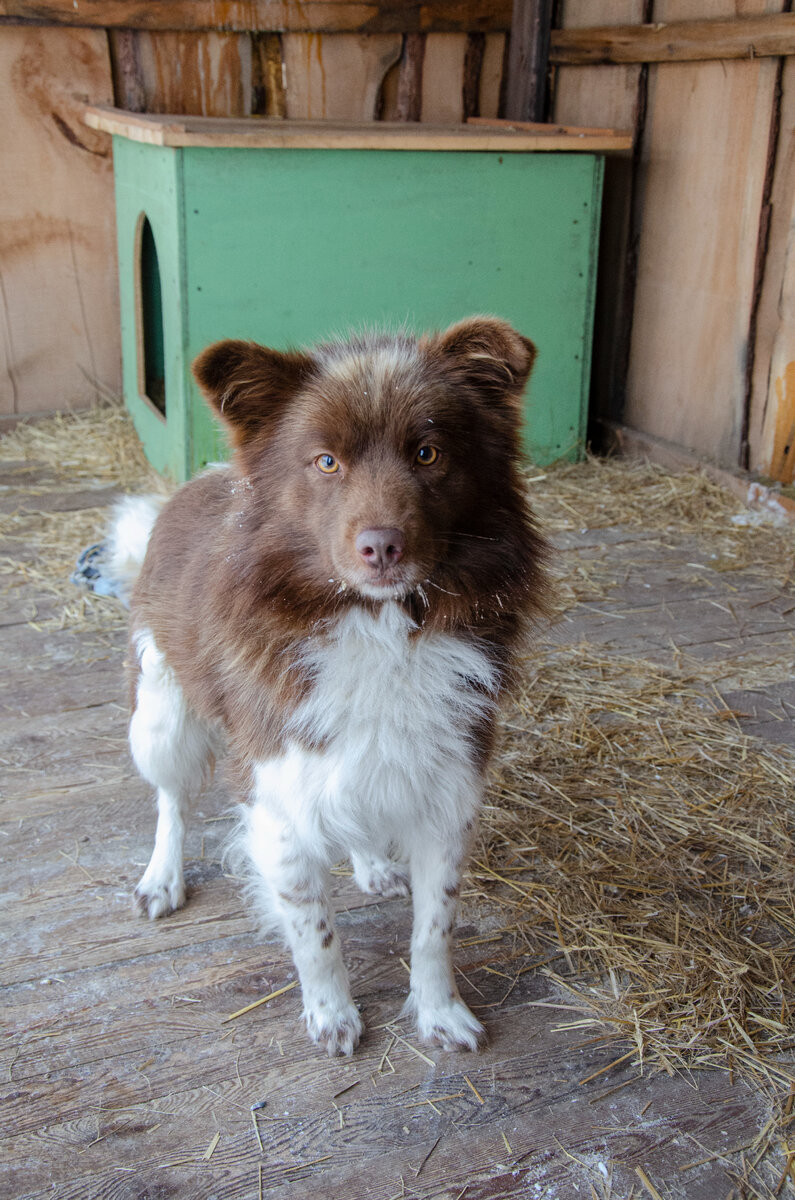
x=493, y=356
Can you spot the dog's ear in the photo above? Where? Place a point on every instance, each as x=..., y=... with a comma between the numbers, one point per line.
x=248, y=385
x=493, y=357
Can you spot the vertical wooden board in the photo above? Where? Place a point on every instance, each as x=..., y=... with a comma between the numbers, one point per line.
x=337, y=76
x=59, y=315
x=267, y=75
x=491, y=74
x=705, y=155
x=773, y=383
x=780, y=431
x=603, y=95
x=606, y=96
x=443, y=78
x=205, y=74
x=389, y=94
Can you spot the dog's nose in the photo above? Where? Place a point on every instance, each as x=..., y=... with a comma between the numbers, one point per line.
x=381, y=548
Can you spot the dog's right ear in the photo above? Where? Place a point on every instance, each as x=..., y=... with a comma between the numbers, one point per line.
x=248, y=385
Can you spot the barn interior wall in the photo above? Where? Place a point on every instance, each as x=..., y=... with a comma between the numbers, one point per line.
x=694, y=341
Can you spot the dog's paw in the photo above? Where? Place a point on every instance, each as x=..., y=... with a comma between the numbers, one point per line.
x=157, y=896
x=336, y=1029
x=381, y=877
x=451, y=1026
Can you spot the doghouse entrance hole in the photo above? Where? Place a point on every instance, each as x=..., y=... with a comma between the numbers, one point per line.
x=151, y=339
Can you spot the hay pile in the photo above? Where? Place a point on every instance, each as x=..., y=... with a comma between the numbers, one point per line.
x=631, y=823
x=94, y=449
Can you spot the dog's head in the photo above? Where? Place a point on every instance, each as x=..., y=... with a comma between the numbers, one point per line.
x=385, y=467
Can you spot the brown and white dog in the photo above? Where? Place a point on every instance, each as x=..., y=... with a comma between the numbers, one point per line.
x=339, y=610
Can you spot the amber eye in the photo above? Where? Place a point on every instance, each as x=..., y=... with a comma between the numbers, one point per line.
x=426, y=455
x=327, y=463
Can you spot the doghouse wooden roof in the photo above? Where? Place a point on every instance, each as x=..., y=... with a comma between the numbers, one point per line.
x=258, y=132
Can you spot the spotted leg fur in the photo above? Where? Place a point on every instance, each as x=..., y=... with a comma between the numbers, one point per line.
x=441, y=1015
x=293, y=887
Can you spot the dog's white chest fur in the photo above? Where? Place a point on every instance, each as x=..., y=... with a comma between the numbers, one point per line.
x=392, y=716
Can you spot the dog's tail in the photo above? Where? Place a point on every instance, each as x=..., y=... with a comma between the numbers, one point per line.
x=127, y=539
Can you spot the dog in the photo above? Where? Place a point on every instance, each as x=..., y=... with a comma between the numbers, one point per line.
x=339, y=611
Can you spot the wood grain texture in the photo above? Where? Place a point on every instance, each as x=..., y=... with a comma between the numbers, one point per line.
x=772, y=424
x=267, y=72
x=685, y=41
x=491, y=75
x=704, y=162
x=443, y=78
x=526, y=84
x=607, y=95
x=169, y=130
x=58, y=286
x=336, y=77
x=407, y=104
x=253, y=16
x=208, y=74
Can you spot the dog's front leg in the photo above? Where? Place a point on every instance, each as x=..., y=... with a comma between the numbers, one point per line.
x=295, y=893
x=442, y=1016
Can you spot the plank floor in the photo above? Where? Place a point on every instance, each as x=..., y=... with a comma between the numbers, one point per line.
x=122, y=1077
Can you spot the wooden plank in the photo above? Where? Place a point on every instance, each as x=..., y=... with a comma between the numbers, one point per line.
x=254, y=16
x=546, y=128
x=59, y=322
x=336, y=77
x=473, y=65
x=408, y=96
x=491, y=75
x=526, y=86
x=772, y=417
x=196, y=131
x=267, y=69
x=677, y=41
x=609, y=95
x=742, y=37
x=443, y=78
x=705, y=158
x=128, y=81
x=206, y=73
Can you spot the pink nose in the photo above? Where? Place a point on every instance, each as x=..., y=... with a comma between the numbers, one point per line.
x=381, y=548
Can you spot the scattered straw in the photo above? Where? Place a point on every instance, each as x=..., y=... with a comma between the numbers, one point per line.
x=93, y=450
x=257, y=1132
x=413, y=1049
x=647, y=1183
x=263, y=1000
x=208, y=1153
x=474, y=1090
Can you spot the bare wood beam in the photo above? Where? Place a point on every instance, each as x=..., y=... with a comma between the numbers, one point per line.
x=528, y=60
x=679, y=41
x=409, y=93
x=261, y=16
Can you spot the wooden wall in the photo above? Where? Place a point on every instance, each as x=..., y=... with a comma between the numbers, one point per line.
x=695, y=328
x=697, y=296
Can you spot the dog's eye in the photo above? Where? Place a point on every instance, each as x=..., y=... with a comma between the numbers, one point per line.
x=327, y=463
x=426, y=455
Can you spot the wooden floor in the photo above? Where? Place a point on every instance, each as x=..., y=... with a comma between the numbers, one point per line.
x=122, y=1076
